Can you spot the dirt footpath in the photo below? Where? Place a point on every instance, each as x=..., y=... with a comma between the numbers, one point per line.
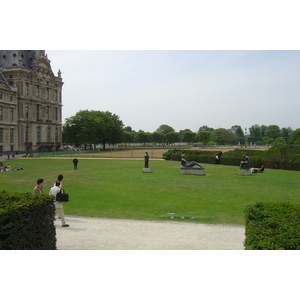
x=112, y=234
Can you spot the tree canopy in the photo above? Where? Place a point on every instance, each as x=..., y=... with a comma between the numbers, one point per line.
x=93, y=127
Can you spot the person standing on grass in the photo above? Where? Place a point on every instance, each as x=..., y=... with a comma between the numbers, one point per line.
x=58, y=205
x=75, y=162
x=38, y=189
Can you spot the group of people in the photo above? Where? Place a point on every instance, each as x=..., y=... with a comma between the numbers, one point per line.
x=5, y=168
x=54, y=190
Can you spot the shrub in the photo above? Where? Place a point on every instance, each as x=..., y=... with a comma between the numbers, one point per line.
x=27, y=222
x=195, y=155
x=278, y=157
x=272, y=226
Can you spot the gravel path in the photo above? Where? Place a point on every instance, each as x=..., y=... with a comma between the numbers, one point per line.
x=111, y=234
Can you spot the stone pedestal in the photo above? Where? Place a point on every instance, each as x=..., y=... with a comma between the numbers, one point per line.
x=244, y=172
x=146, y=170
x=192, y=171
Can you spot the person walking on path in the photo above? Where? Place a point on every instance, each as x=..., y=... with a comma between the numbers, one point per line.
x=75, y=162
x=60, y=177
x=58, y=205
x=38, y=189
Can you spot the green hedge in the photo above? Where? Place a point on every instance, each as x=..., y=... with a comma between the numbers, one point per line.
x=272, y=226
x=278, y=157
x=195, y=155
x=27, y=222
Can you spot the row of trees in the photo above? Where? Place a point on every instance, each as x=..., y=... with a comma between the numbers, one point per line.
x=209, y=136
x=97, y=127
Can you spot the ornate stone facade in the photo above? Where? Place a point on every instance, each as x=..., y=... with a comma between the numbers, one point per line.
x=30, y=102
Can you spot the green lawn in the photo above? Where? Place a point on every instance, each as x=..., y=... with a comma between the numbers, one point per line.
x=119, y=189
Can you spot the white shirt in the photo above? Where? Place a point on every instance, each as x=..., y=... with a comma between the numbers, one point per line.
x=53, y=191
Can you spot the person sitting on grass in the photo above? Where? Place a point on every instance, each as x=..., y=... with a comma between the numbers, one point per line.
x=255, y=170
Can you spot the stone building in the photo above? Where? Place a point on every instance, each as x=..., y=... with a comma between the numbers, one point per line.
x=30, y=102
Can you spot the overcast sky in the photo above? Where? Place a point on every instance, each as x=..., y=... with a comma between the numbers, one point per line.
x=183, y=89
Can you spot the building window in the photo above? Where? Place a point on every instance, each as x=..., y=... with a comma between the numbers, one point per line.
x=1, y=135
x=1, y=97
x=26, y=134
x=47, y=113
x=49, y=135
x=37, y=111
x=0, y=113
x=26, y=110
x=11, y=114
x=55, y=95
x=47, y=93
x=37, y=91
x=11, y=135
x=56, y=113
x=10, y=98
x=56, y=135
x=26, y=88
x=38, y=134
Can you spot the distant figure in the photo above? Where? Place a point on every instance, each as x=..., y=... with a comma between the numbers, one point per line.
x=188, y=164
x=217, y=159
x=75, y=162
x=146, y=160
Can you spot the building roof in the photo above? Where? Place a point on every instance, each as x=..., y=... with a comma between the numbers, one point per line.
x=11, y=58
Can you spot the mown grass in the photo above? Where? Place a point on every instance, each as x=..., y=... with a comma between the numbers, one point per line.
x=115, y=188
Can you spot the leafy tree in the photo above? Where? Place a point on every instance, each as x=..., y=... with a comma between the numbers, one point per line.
x=271, y=134
x=164, y=129
x=93, y=127
x=206, y=128
x=237, y=129
x=204, y=137
x=113, y=129
x=157, y=137
x=255, y=131
x=295, y=137
x=172, y=137
x=142, y=137
x=286, y=132
x=224, y=136
x=189, y=137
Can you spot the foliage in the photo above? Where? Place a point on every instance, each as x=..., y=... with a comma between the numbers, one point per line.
x=164, y=129
x=93, y=127
x=195, y=155
x=225, y=137
x=285, y=157
x=27, y=222
x=272, y=226
x=271, y=134
x=204, y=137
x=189, y=137
x=295, y=137
x=172, y=137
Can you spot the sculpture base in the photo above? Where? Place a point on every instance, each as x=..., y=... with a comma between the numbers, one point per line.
x=244, y=172
x=192, y=171
x=146, y=170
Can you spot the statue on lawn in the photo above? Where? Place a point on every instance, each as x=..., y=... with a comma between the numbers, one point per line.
x=189, y=164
